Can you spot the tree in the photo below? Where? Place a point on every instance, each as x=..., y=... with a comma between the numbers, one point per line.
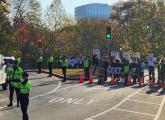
x=141, y=26
x=6, y=33
x=18, y=11
x=55, y=15
x=34, y=14
x=55, y=19
x=92, y=35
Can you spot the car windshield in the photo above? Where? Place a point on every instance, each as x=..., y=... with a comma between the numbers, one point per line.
x=8, y=61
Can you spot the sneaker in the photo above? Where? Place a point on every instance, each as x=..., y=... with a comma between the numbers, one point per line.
x=17, y=105
x=49, y=75
x=160, y=90
x=9, y=105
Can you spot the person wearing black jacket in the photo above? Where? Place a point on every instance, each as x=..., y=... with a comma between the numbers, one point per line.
x=134, y=68
x=105, y=66
x=95, y=62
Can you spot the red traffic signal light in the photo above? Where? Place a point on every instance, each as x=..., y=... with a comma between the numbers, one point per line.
x=40, y=40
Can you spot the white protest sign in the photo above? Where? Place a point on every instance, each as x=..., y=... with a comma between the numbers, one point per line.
x=136, y=55
x=114, y=54
x=126, y=55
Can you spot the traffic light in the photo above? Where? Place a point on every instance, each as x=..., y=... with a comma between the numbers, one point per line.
x=108, y=32
x=39, y=42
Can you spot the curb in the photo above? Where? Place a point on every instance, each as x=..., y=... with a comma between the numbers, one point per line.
x=58, y=75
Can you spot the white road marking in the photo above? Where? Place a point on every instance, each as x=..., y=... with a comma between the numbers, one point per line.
x=59, y=85
x=95, y=88
x=79, y=102
x=114, y=107
x=149, y=95
x=160, y=109
x=135, y=112
x=76, y=101
x=143, y=102
x=53, y=91
x=91, y=101
x=69, y=100
x=56, y=100
x=70, y=87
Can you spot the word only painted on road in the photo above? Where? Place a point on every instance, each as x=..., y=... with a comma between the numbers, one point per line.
x=75, y=101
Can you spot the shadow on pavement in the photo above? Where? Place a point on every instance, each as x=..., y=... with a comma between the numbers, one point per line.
x=70, y=82
x=46, y=83
x=106, y=84
x=7, y=108
x=37, y=78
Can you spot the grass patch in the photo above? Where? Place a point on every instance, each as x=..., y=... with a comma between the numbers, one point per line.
x=71, y=72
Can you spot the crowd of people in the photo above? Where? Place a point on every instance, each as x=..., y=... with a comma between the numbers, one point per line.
x=135, y=68
x=120, y=68
x=64, y=62
x=106, y=66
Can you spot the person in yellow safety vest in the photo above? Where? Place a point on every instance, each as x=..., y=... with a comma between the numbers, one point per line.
x=87, y=65
x=60, y=59
x=50, y=64
x=15, y=77
x=25, y=86
x=126, y=71
x=18, y=59
x=64, y=66
x=39, y=64
x=8, y=71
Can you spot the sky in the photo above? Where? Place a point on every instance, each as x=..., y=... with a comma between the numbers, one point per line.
x=69, y=5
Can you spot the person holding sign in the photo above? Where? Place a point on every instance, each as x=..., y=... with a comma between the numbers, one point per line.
x=134, y=68
x=151, y=66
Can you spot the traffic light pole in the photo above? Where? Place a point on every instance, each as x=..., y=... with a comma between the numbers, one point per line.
x=108, y=37
x=40, y=46
x=40, y=51
x=110, y=47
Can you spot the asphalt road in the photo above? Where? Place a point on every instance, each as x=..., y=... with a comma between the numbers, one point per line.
x=52, y=100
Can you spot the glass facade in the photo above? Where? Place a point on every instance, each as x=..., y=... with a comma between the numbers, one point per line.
x=93, y=11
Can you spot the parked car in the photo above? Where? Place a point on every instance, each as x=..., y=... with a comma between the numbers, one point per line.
x=4, y=61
